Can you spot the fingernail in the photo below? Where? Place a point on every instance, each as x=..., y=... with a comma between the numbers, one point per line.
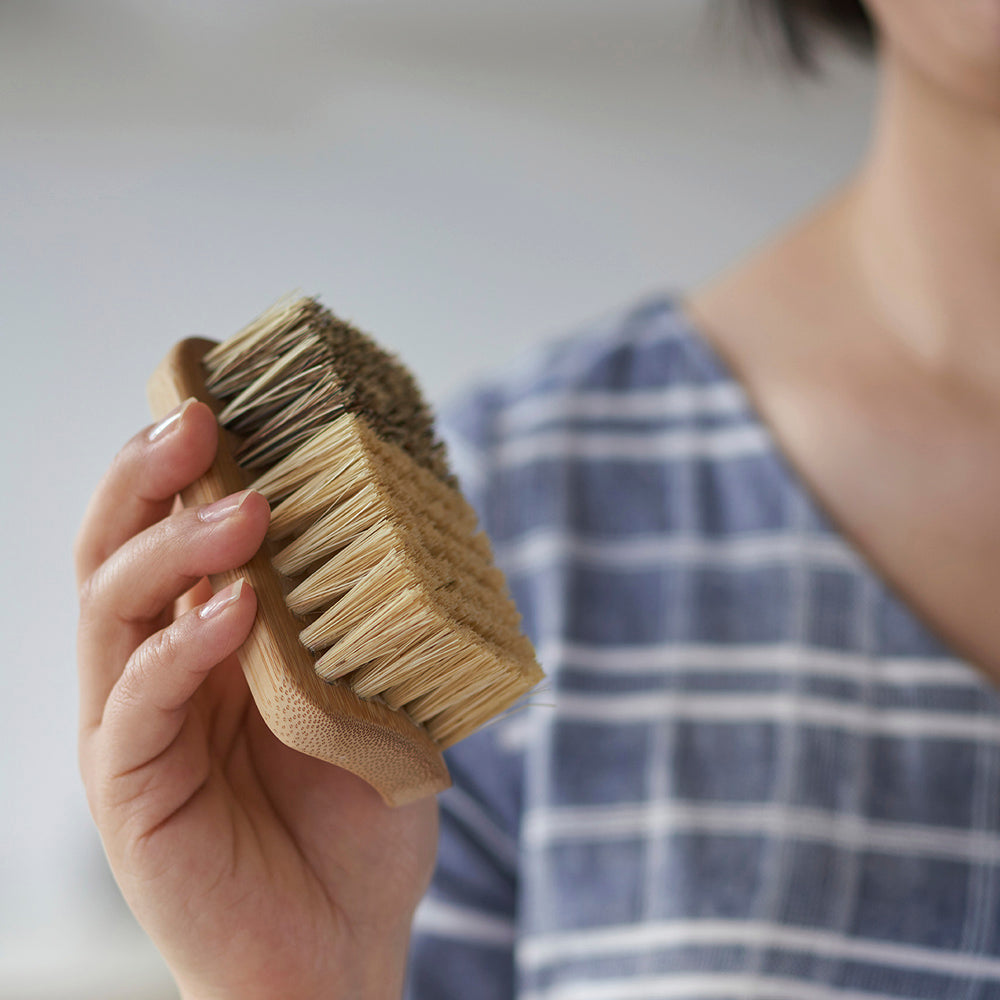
x=222, y=600
x=223, y=508
x=170, y=421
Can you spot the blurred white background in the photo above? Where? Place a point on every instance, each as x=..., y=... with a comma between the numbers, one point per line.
x=462, y=179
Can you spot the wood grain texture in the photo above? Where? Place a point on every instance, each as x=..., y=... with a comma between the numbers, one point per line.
x=325, y=720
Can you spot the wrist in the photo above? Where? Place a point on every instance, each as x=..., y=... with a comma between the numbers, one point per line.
x=376, y=977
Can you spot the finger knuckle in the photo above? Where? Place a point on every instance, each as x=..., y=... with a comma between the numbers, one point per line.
x=90, y=594
x=131, y=691
x=130, y=454
x=158, y=651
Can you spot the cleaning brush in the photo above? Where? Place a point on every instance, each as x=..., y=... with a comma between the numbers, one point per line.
x=384, y=631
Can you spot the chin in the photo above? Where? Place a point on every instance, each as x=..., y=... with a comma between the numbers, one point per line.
x=955, y=44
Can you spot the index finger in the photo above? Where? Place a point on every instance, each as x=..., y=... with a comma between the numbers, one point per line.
x=139, y=488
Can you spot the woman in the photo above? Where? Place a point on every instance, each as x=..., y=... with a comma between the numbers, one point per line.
x=753, y=535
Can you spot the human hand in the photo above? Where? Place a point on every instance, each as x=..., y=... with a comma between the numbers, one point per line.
x=257, y=871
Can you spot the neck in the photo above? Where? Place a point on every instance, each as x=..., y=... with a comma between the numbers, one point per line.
x=923, y=219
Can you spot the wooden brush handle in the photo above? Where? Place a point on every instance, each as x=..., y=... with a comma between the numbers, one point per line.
x=324, y=720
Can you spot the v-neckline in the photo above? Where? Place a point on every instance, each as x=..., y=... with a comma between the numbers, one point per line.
x=718, y=370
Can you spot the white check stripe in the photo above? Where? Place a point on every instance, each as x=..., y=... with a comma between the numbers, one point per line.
x=441, y=919
x=537, y=952
x=544, y=826
x=541, y=549
x=764, y=658
x=699, y=986
x=687, y=401
x=752, y=707
x=685, y=442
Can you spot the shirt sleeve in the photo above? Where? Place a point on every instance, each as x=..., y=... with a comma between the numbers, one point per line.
x=464, y=930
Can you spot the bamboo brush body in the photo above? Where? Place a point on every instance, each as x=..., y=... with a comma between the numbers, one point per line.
x=384, y=633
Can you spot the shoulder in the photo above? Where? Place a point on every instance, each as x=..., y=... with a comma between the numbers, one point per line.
x=637, y=369
x=648, y=346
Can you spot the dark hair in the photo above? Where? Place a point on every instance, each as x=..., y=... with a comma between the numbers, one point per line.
x=800, y=24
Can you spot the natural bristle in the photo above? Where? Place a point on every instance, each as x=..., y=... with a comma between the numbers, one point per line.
x=296, y=367
x=377, y=551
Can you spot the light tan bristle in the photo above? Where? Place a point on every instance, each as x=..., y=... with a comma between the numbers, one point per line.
x=335, y=529
x=399, y=620
x=463, y=718
x=337, y=575
x=464, y=583
x=468, y=677
x=318, y=494
x=408, y=565
x=378, y=550
x=324, y=450
x=404, y=676
x=391, y=576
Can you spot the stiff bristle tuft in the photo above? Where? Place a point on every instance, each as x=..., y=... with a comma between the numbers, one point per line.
x=296, y=368
x=377, y=550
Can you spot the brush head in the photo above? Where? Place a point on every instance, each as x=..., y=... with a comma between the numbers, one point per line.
x=391, y=589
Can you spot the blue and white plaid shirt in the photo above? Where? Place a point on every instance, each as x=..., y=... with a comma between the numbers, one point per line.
x=753, y=772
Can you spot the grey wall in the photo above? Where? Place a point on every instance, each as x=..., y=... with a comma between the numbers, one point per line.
x=461, y=179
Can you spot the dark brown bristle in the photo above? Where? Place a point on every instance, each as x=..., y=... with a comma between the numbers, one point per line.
x=300, y=351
